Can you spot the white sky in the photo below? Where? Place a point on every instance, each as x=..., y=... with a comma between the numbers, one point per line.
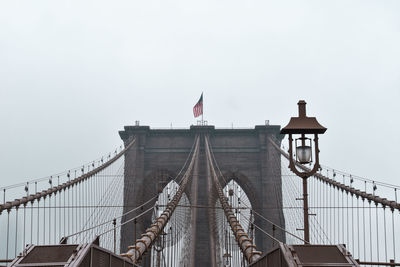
x=73, y=73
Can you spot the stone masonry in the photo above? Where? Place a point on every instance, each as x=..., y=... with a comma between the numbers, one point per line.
x=244, y=155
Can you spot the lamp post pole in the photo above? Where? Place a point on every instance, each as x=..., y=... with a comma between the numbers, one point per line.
x=305, y=207
x=305, y=201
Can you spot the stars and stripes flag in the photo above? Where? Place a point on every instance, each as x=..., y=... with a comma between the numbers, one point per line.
x=198, y=108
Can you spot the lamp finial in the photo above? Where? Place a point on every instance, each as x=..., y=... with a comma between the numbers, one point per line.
x=302, y=108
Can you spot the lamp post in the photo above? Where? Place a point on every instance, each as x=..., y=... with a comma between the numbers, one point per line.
x=303, y=126
x=227, y=259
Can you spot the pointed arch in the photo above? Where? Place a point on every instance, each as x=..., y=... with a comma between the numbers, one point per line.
x=245, y=183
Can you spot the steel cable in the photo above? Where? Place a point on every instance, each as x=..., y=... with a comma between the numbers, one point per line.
x=255, y=212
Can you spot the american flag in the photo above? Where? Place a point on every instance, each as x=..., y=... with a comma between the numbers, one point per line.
x=198, y=108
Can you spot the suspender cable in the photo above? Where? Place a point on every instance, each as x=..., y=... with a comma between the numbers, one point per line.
x=377, y=231
x=23, y=242
x=244, y=242
x=136, y=252
x=44, y=220
x=370, y=231
x=38, y=229
x=343, y=213
x=358, y=228
x=364, y=235
x=394, y=240
x=8, y=231
x=31, y=223
x=384, y=229
x=16, y=232
x=49, y=219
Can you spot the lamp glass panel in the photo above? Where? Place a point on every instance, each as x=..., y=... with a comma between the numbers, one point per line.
x=227, y=261
x=303, y=154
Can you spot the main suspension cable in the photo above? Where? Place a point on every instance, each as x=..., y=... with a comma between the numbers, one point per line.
x=249, y=250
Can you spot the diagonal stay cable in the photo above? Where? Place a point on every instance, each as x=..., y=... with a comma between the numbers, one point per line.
x=58, y=188
x=144, y=243
x=370, y=197
x=296, y=191
x=107, y=222
x=139, y=206
x=259, y=228
x=255, y=212
x=245, y=243
x=108, y=195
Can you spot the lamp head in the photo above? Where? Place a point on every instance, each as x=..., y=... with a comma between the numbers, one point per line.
x=303, y=124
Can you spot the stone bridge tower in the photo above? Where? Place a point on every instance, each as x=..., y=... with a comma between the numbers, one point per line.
x=244, y=155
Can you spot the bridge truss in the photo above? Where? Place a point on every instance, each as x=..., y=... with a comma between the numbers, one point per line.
x=85, y=203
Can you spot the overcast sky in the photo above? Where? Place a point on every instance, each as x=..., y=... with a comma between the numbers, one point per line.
x=73, y=73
